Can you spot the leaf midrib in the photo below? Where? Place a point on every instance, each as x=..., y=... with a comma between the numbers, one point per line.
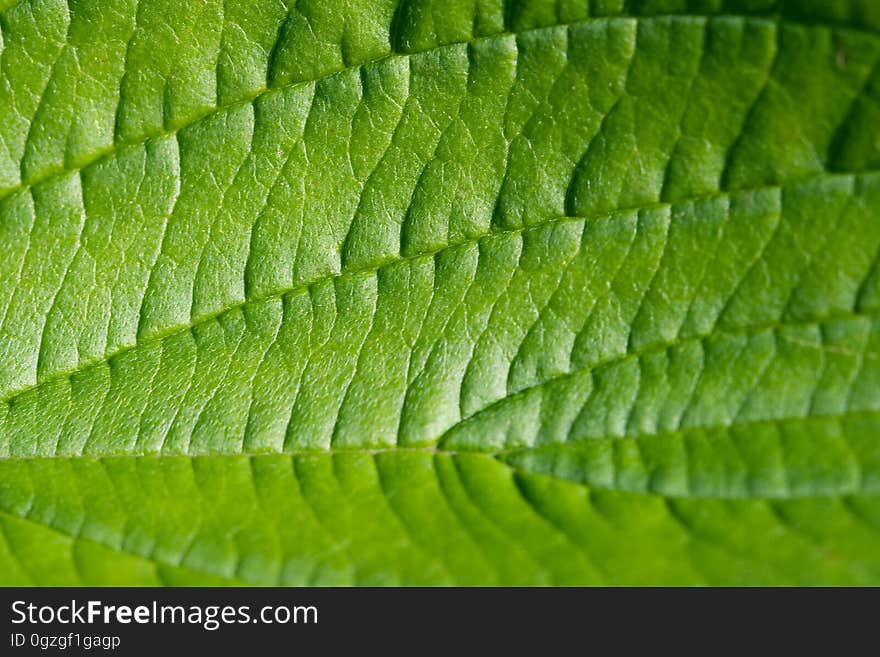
x=497, y=454
x=432, y=451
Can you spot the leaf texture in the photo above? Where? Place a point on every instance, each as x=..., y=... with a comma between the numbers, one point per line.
x=479, y=292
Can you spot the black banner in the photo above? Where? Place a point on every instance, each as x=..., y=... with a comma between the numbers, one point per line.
x=283, y=621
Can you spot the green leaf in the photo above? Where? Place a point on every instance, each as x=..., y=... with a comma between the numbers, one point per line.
x=421, y=292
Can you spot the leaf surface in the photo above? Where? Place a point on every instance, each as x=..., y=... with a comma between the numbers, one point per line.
x=439, y=293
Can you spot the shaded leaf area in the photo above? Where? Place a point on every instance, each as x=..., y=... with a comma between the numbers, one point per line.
x=404, y=518
x=476, y=293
